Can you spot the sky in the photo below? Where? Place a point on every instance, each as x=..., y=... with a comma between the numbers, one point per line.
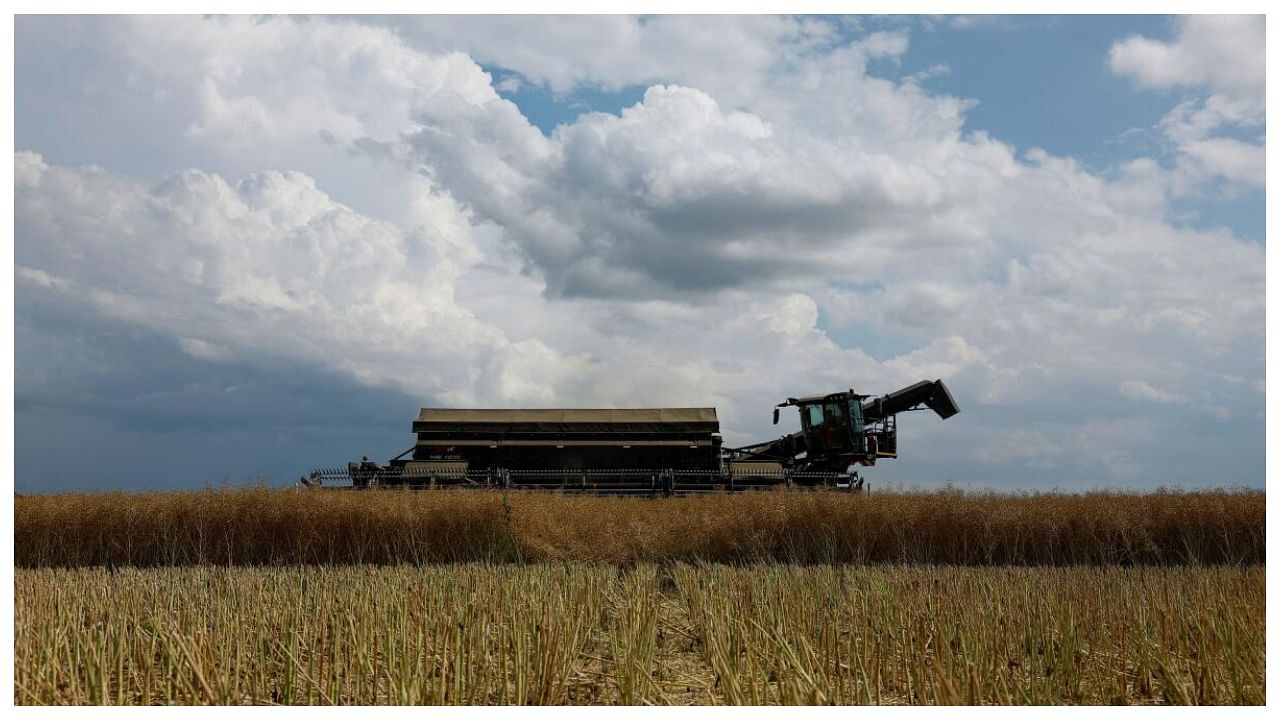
x=246, y=247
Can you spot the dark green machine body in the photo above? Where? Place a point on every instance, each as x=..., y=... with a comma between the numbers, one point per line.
x=645, y=449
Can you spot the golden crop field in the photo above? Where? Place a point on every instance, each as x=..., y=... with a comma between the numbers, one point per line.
x=471, y=597
x=289, y=527
x=675, y=633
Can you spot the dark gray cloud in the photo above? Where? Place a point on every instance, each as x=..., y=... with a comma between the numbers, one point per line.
x=103, y=404
x=143, y=381
x=58, y=450
x=675, y=195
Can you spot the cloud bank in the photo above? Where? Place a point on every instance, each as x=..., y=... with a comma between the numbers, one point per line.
x=360, y=201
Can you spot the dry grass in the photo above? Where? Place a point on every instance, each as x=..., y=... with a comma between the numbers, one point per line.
x=549, y=634
x=285, y=527
x=981, y=636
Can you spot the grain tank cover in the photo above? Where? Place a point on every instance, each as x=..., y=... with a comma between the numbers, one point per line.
x=564, y=439
x=568, y=420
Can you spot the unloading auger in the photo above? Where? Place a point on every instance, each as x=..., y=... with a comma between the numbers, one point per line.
x=643, y=451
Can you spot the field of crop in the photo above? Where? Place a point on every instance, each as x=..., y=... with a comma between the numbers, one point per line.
x=290, y=527
x=261, y=596
x=645, y=634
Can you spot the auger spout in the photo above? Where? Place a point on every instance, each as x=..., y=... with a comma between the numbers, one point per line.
x=932, y=394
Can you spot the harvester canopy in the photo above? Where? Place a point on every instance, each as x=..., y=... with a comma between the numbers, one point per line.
x=569, y=438
x=569, y=420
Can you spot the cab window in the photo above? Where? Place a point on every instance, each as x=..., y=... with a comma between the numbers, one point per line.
x=855, y=414
x=834, y=412
x=815, y=415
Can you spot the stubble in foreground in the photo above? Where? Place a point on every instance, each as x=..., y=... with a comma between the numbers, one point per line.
x=649, y=633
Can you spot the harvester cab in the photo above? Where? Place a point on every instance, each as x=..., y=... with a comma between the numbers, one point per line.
x=832, y=426
x=847, y=428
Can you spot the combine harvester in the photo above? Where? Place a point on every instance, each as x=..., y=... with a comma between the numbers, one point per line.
x=650, y=451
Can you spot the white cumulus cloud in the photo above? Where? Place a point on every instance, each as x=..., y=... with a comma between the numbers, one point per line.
x=1226, y=56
